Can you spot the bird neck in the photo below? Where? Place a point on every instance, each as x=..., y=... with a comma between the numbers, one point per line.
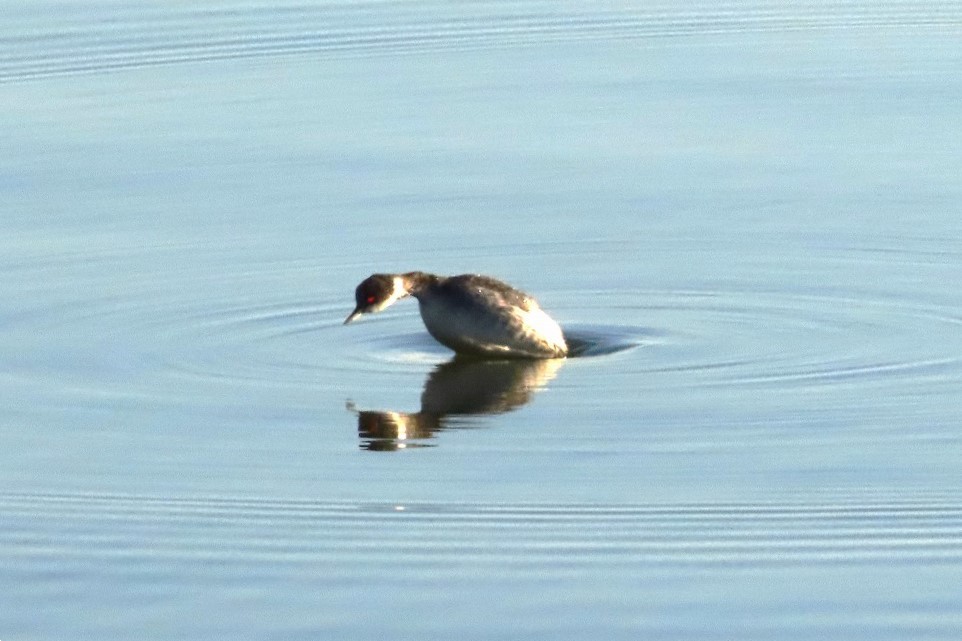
x=417, y=282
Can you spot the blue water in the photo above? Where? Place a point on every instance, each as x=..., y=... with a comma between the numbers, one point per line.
x=747, y=213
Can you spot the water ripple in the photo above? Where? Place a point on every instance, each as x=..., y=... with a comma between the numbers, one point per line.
x=103, y=39
x=786, y=339
x=667, y=339
x=895, y=529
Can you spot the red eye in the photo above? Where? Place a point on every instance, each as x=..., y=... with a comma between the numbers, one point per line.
x=370, y=299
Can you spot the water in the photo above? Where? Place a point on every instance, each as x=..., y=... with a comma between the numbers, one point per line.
x=747, y=215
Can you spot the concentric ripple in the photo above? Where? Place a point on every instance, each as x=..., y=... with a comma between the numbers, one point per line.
x=915, y=529
x=684, y=339
x=785, y=339
x=745, y=216
x=103, y=39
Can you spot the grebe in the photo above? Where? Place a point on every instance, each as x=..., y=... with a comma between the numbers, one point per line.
x=469, y=313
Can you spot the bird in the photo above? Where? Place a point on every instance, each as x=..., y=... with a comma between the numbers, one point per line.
x=471, y=314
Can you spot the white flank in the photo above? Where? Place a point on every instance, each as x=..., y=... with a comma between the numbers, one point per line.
x=545, y=327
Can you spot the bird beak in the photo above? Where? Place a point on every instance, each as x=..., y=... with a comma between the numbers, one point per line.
x=352, y=316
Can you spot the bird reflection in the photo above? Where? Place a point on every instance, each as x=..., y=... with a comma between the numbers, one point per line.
x=459, y=387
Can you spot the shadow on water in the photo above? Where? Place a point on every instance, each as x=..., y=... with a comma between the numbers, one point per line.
x=470, y=386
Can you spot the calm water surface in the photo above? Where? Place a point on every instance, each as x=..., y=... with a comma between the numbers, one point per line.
x=747, y=215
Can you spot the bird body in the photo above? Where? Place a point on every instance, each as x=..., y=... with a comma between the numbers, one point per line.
x=469, y=313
